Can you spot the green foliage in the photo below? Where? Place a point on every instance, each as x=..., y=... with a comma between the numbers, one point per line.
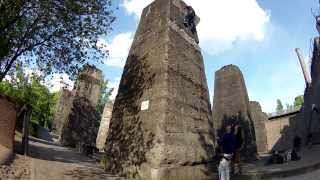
x=104, y=96
x=279, y=106
x=29, y=90
x=54, y=35
x=298, y=101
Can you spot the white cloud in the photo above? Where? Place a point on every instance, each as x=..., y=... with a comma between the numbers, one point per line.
x=58, y=81
x=118, y=49
x=115, y=85
x=223, y=22
x=53, y=82
x=135, y=6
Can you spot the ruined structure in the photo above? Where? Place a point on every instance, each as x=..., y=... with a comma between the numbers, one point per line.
x=88, y=84
x=231, y=106
x=259, y=119
x=301, y=122
x=76, y=118
x=63, y=108
x=161, y=120
x=104, y=125
x=308, y=118
x=82, y=125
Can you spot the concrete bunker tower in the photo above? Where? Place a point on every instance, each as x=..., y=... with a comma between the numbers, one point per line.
x=161, y=125
x=231, y=106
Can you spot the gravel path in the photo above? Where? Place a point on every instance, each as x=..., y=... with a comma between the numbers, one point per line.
x=18, y=169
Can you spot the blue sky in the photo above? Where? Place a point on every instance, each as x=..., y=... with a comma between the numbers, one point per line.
x=258, y=36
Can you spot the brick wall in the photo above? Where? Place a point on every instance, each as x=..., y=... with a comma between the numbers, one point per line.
x=281, y=131
x=7, y=122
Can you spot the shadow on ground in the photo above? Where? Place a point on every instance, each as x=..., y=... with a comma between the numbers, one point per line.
x=54, y=152
x=89, y=173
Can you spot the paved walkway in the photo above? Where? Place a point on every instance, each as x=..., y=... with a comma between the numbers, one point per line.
x=53, y=162
x=315, y=175
x=310, y=161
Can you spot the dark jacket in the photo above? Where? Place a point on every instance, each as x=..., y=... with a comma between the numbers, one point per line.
x=228, y=143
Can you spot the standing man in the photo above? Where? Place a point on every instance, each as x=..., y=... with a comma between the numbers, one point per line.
x=228, y=148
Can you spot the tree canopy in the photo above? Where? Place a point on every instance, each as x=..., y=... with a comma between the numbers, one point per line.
x=298, y=101
x=54, y=36
x=29, y=89
x=279, y=106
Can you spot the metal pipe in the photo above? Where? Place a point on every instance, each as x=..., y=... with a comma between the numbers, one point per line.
x=303, y=67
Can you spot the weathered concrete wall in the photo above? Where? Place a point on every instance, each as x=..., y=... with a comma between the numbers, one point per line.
x=315, y=65
x=311, y=117
x=231, y=106
x=7, y=121
x=82, y=125
x=104, y=125
x=63, y=109
x=88, y=84
x=161, y=120
x=259, y=119
x=281, y=131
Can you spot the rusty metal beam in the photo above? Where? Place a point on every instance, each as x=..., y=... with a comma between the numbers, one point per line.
x=305, y=71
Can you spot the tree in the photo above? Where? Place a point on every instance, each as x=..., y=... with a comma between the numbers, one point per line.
x=298, y=101
x=30, y=90
x=289, y=106
x=53, y=35
x=279, y=106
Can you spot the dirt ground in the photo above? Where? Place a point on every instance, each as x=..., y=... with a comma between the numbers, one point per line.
x=18, y=169
x=47, y=160
x=51, y=161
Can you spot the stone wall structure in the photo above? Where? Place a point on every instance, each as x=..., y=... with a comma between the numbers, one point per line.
x=81, y=128
x=312, y=97
x=88, y=84
x=259, y=119
x=161, y=126
x=231, y=106
x=104, y=125
x=63, y=109
x=76, y=117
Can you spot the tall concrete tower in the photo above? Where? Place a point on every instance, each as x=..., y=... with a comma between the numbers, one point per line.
x=161, y=126
x=88, y=84
x=231, y=106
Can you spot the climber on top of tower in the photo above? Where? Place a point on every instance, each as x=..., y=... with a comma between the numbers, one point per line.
x=190, y=18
